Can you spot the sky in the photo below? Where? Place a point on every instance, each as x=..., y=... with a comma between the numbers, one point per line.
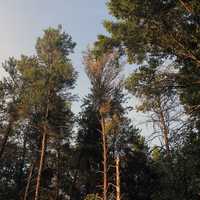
x=23, y=21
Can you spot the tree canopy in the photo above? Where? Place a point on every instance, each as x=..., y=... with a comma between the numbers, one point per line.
x=48, y=152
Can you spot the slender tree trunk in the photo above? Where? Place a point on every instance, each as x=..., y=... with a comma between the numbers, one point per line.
x=186, y=6
x=165, y=132
x=5, y=138
x=42, y=158
x=105, y=182
x=28, y=182
x=105, y=178
x=43, y=147
x=117, y=165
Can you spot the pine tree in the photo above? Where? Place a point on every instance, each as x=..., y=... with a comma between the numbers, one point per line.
x=48, y=76
x=103, y=72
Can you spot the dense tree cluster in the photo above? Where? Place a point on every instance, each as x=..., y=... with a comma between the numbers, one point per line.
x=49, y=153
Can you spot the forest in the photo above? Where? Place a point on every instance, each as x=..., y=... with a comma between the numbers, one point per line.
x=48, y=152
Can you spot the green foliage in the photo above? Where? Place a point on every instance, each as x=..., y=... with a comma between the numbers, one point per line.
x=156, y=153
x=53, y=51
x=153, y=87
x=40, y=87
x=37, y=91
x=158, y=31
x=157, y=28
x=88, y=148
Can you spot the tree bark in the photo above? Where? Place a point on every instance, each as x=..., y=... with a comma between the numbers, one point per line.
x=186, y=6
x=42, y=158
x=28, y=182
x=105, y=178
x=43, y=147
x=117, y=165
x=165, y=131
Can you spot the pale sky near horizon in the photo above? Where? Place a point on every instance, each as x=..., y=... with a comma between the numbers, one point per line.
x=22, y=22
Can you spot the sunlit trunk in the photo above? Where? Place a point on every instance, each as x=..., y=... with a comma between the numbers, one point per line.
x=165, y=131
x=105, y=178
x=42, y=158
x=186, y=6
x=117, y=166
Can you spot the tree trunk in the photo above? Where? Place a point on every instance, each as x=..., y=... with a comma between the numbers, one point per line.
x=165, y=131
x=5, y=138
x=117, y=165
x=42, y=158
x=104, y=140
x=43, y=147
x=28, y=182
x=105, y=182
x=186, y=6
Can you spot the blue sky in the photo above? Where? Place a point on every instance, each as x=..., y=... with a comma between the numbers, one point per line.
x=22, y=21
